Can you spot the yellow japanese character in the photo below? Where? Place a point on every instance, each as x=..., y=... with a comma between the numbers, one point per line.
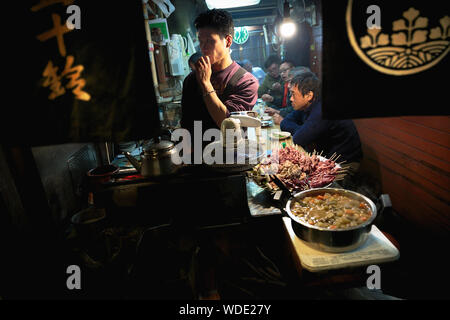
x=53, y=81
x=73, y=74
x=58, y=31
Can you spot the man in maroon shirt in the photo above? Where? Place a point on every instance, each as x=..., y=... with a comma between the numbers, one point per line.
x=217, y=85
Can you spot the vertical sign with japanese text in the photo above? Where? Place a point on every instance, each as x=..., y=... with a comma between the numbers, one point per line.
x=72, y=73
x=79, y=72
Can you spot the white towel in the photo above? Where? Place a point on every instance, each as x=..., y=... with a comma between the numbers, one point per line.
x=165, y=6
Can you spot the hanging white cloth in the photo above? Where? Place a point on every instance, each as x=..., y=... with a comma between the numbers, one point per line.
x=165, y=6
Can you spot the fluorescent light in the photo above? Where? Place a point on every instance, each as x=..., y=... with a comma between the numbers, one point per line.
x=223, y=4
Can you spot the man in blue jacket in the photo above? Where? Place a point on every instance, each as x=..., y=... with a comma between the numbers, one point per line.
x=311, y=131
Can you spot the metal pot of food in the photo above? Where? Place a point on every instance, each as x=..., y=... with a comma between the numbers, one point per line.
x=156, y=159
x=330, y=219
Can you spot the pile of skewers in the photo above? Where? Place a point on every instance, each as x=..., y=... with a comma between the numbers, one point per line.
x=298, y=170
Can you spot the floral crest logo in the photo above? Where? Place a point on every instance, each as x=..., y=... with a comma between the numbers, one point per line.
x=413, y=47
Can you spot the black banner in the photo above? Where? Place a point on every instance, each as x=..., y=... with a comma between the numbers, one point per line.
x=86, y=80
x=385, y=58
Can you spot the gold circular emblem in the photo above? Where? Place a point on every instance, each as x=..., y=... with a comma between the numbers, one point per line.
x=412, y=48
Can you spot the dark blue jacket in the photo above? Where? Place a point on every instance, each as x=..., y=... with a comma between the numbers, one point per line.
x=311, y=132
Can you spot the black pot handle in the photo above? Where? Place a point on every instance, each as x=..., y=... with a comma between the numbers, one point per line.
x=384, y=207
x=284, y=213
x=385, y=203
x=281, y=198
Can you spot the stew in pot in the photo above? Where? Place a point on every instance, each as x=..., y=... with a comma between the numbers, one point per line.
x=331, y=211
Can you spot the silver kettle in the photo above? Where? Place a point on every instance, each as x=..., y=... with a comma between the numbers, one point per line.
x=156, y=159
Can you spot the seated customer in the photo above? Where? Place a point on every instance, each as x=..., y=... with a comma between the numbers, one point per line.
x=311, y=131
x=287, y=73
x=285, y=67
x=270, y=90
x=257, y=72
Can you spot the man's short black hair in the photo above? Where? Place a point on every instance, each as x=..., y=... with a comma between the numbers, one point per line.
x=299, y=69
x=271, y=60
x=306, y=82
x=288, y=62
x=216, y=19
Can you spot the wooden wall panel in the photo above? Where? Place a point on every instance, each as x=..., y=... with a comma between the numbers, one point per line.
x=414, y=164
x=440, y=192
x=433, y=152
x=410, y=157
x=402, y=145
x=435, y=122
x=437, y=136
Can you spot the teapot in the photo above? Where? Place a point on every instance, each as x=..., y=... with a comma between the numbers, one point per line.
x=156, y=159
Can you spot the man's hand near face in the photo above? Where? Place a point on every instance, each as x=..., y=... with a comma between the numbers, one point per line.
x=203, y=73
x=277, y=118
x=216, y=108
x=271, y=111
x=276, y=86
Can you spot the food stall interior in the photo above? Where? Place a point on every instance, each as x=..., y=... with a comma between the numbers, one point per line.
x=81, y=189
